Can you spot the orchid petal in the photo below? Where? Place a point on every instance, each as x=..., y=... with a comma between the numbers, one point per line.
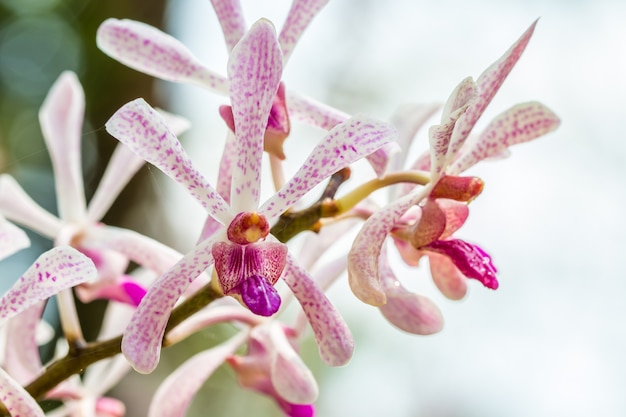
x=439, y=137
x=57, y=269
x=16, y=399
x=430, y=225
x=521, y=123
x=456, y=215
x=488, y=83
x=314, y=113
x=142, y=339
x=22, y=360
x=61, y=120
x=343, y=145
x=462, y=95
x=410, y=312
x=144, y=131
x=122, y=290
x=18, y=207
x=148, y=50
x=254, y=71
x=298, y=19
x=122, y=166
x=174, y=395
x=291, y=378
x=230, y=16
x=379, y=159
x=334, y=340
x=147, y=252
x=12, y=238
x=447, y=277
x=363, y=274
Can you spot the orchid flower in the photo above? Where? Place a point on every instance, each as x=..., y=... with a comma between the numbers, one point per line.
x=54, y=271
x=270, y=367
x=78, y=224
x=248, y=260
x=370, y=278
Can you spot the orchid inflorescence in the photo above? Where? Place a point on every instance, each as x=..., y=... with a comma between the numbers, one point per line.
x=243, y=250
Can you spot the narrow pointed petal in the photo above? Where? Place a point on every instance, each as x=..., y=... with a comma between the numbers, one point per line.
x=439, y=137
x=142, y=339
x=291, y=378
x=12, y=238
x=57, y=269
x=144, y=251
x=61, y=119
x=363, y=275
x=521, y=123
x=17, y=401
x=334, y=340
x=343, y=145
x=410, y=312
x=298, y=19
x=462, y=95
x=254, y=72
x=488, y=83
x=145, y=132
x=122, y=166
x=174, y=395
x=21, y=356
x=148, y=50
x=18, y=207
x=230, y=16
x=447, y=277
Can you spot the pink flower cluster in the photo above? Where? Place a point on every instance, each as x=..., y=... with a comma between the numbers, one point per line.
x=238, y=253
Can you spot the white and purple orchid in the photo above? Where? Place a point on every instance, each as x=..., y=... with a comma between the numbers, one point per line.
x=248, y=260
x=419, y=218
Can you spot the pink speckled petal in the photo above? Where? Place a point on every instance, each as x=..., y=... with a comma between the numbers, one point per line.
x=230, y=16
x=521, y=123
x=56, y=270
x=254, y=71
x=12, y=238
x=176, y=392
x=488, y=83
x=61, y=119
x=145, y=132
x=18, y=207
x=141, y=343
x=447, y=277
x=15, y=398
x=148, y=50
x=363, y=274
x=21, y=356
x=460, y=97
x=343, y=145
x=379, y=159
x=298, y=19
x=291, y=378
x=314, y=113
x=145, y=251
x=334, y=340
x=122, y=166
x=456, y=213
x=439, y=140
x=410, y=312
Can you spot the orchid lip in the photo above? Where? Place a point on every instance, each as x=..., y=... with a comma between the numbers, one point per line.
x=259, y=295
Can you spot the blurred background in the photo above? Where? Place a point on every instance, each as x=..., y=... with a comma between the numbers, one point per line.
x=549, y=342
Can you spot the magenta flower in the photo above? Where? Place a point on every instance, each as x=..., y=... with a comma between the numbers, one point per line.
x=247, y=259
x=78, y=224
x=450, y=154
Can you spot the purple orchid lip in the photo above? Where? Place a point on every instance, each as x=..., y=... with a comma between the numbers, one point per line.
x=471, y=260
x=259, y=295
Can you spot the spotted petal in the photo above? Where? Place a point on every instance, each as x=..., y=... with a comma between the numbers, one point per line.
x=230, y=16
x=148, y=50
x=15, y=398
x=314, y=113
x=363, y=275
x=333, y=336
x=298, y=19
x=142, y=339
x=488, y=83
x=447, y=277
x=343, y=145
x=21, y=356
x=57, y=269
x=145, y=132
x=174, y=395
x=61, y=119
x=521, y=123
x=12, y=238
